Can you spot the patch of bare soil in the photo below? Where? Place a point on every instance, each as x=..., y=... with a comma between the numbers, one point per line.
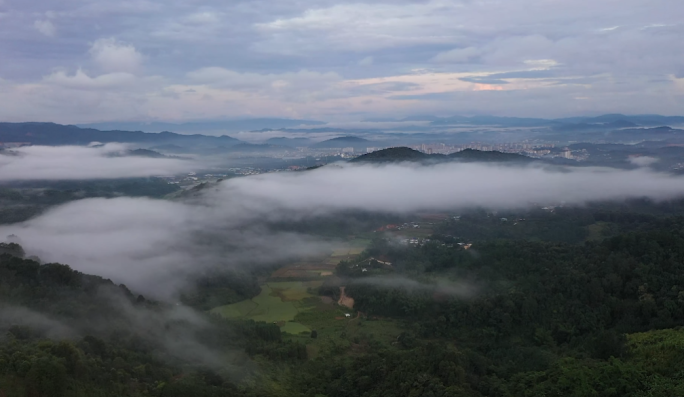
x=345, y=300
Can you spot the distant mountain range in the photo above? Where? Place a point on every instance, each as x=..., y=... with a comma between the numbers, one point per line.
x=52, y=134
x=57, y=134
x=343, y=142
x=223, y=126
x=658, y=133
x=571, y=123
x=290, y=142
x=643, y=119
x=606, y=128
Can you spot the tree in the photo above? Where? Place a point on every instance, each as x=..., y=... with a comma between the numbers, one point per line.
x=47, y=378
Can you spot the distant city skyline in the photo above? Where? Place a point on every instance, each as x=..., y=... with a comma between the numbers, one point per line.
x=150, y=60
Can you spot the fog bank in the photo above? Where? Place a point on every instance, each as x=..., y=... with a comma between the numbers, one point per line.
x=79, y=162
x=153, y=246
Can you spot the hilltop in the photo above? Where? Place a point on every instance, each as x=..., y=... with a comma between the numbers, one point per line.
x=398, y=154
x=393, y=154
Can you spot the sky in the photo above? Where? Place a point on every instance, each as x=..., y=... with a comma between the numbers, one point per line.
x=77, y=61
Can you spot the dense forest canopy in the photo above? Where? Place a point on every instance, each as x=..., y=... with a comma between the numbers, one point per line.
x=558, y=307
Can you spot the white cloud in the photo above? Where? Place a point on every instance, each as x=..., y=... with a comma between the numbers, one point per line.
x=384, y=188
x=643, y=161
x=45, y=27
x=153, y=245
x=113, y=56
x=77, y=162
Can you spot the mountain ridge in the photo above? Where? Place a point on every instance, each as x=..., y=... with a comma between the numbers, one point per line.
x=38, y=133
x=405, y=154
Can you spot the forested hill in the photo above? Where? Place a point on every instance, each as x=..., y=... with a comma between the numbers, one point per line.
x=398, y=154
x=601, y=318
x=472, y=155
x=58, y=134
x=67, y=334
x=394, y=154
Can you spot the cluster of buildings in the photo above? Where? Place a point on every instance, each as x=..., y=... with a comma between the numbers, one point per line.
x=517, y=147
x=411, y=225
x=530, y=149
x=527, y=148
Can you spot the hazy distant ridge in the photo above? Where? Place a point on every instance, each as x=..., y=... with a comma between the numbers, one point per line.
x=57, y=134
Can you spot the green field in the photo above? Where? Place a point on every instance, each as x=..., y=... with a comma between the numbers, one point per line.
x=290, y=291
x=295, y=328
x=353, y=247
x=278, y=302
x=335, y=331
x=235, y=310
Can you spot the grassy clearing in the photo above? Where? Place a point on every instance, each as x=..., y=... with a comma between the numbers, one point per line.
x=264, y=307
x=289, y=291
x=296, y=328
x=330, y=322
x=339, y=333
x=271, y=308
x=278, y=302
x=235, y=310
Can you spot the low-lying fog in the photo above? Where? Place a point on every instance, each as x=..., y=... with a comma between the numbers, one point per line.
x=152, y=245
x=79, y=162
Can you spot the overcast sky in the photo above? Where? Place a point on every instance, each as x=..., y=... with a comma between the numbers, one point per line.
x=77, y=61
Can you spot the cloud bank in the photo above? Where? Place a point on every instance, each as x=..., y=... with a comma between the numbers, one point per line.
x=78, y=162
x=155, y=246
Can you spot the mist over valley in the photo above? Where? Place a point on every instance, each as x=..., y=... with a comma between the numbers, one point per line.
x=328, y=199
